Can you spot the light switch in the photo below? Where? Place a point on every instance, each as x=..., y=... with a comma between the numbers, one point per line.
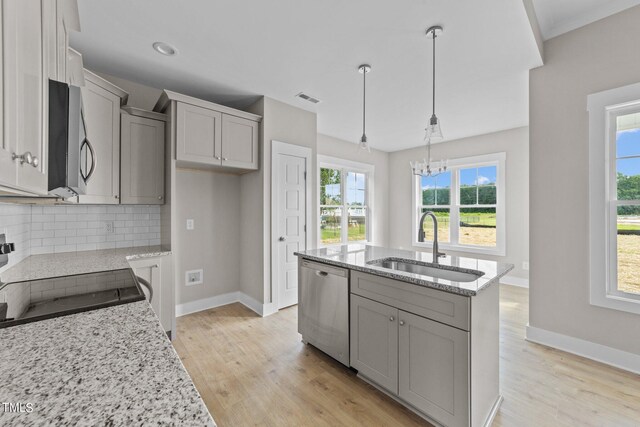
x=190, y=224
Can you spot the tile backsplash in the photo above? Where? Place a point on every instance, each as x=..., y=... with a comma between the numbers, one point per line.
x=87, y=228
x=69, y=228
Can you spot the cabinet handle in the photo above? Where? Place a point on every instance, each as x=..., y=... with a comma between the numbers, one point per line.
x=159, y=197
x=116, y=196
x=225, y=159
x=391, y=319
x=27, y=158
x=217, y=157
x=402, y=323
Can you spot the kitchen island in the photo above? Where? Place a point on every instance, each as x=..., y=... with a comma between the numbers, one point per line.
x=424, y=333
x=112, y=366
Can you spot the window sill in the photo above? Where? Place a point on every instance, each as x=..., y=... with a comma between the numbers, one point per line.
x=463, y=248
x=615, y=302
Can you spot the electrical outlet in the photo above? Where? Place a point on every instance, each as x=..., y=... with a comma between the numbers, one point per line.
x=525, y=265
x=109, y=228
x=190, y=224
x=193, y=277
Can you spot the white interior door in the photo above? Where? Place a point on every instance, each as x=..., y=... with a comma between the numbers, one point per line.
x=290, y=230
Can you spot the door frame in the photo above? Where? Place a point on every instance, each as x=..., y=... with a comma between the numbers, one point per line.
x=277, y=148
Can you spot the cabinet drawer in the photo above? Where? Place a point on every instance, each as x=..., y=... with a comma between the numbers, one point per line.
x=440, y=306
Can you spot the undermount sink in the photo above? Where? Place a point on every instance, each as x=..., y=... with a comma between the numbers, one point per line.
x=426, y=269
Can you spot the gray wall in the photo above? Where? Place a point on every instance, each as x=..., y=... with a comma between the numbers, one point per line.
x=515, y=143
x=212, y=200
x=597, y=57
x=341, y=149
x=284, y=123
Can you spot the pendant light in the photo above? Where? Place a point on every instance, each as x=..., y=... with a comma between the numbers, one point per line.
x=364, y=69
x=433, y=130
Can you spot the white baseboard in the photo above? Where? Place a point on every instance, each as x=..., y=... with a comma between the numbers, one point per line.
x=600, y=353
x=515, y=281
x=225, y=299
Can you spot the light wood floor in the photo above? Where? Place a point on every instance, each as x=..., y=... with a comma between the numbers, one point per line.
x=255, y=371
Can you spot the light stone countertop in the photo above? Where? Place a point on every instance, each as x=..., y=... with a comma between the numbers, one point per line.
x=357, y=256
x=70, y=263
x=113, y=366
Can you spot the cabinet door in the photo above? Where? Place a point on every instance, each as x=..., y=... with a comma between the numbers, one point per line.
x=199, y=135
x=374, y=341
x=102, y=117
x=142, y=160
x=8, y=168
x=434, y=369
x=239, y=142
x=25, y=35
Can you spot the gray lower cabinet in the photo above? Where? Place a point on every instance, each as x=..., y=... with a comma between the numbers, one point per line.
x=433, y=368
x=142, y=159
x=374, y=341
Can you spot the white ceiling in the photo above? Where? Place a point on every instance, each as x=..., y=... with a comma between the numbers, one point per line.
x=557, y=17
x=232, y=51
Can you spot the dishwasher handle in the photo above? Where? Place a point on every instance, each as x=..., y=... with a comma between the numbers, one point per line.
x=323, y=270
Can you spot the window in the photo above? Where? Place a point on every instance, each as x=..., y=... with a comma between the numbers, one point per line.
x=345, y=201
x=614, y=198
x=468, y=202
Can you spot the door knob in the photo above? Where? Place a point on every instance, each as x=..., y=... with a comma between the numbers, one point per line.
x=282, y=238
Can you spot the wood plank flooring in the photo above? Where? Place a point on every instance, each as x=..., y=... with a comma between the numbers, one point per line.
x=254, y=371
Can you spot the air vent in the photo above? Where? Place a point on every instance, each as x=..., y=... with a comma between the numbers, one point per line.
x=306, y=97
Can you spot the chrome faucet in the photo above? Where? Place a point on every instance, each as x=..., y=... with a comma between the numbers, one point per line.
x=436, y=254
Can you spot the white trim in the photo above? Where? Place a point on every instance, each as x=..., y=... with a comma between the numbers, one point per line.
x=515, y=281
x=494, y=159
x=601, y=252
x=262, y=310
x=590, y=350
x=278, y=147
x=337, y=163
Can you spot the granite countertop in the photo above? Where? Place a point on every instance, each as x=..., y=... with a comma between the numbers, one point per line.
x=69, y=263
x=357, y=256
x=113, y=366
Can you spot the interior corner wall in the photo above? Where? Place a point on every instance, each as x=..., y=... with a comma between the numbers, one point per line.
x=284, y=123
x=600, y=56
x=329, y=146
x=514, y=142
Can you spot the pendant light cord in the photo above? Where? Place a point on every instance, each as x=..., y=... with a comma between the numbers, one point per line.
x=364, y=100
x=434, y=71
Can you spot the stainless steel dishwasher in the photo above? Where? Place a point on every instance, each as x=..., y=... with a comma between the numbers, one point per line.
x=323, y=308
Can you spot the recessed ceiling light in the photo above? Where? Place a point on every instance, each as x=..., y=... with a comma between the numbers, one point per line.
x=165, y=49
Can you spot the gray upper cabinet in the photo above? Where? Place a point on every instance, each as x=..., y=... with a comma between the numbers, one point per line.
x=25, y=57
x=374, y=341
x=212, y=136
x=35, y=39
x=434, y=368
x=101, y=101
x=199, y=136
x=239, y=142
x=142, y=157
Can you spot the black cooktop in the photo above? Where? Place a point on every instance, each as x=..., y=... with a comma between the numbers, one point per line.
x=25, y=302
